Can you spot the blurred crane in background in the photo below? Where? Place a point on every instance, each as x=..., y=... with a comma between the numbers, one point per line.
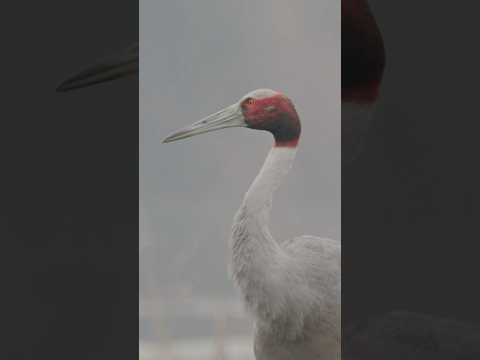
x=363, y=63
x=108, y=69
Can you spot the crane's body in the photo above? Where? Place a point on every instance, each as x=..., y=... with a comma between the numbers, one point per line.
x=292, y=288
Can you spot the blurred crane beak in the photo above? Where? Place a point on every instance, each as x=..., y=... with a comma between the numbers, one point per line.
x=231, y=116
x=106, y=70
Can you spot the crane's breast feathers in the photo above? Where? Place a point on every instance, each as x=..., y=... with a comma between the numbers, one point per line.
x=314, y=248
x=320, y=261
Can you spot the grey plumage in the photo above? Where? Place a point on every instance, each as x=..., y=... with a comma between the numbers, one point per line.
x=292, y=288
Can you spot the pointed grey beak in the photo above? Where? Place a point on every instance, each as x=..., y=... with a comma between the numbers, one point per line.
x=231, y=116
x=111, y=68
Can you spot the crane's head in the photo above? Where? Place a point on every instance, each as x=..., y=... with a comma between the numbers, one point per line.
x=261, y=109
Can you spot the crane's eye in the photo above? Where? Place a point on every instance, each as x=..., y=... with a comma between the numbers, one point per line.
x=249, y=101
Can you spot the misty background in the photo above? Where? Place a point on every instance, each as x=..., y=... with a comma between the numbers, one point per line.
x=197, y=57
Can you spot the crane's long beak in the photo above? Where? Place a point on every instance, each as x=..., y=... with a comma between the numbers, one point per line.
x=231, y=116
x=108, y=69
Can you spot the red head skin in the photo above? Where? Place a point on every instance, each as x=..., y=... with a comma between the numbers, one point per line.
x=275, y=114
x=363, y=53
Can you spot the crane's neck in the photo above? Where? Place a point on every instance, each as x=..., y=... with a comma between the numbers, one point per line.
x=256, y=256
x=278, y=163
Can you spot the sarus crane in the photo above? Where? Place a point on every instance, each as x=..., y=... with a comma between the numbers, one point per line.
x=292, y=288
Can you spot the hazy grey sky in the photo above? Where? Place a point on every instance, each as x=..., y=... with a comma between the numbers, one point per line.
x=197, y=57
